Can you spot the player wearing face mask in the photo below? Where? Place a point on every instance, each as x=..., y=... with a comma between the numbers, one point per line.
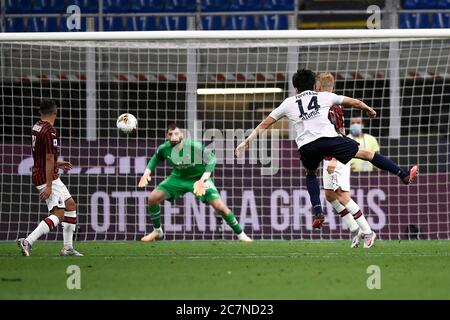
x=366, y=141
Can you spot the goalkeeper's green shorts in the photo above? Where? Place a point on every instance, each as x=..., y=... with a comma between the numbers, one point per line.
x=175, y=187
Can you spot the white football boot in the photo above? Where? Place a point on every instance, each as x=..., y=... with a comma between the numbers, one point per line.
x=24, y=246
x=369, y=240
x=244, y=238
x=156, y=234
x=357, y=235
x=70, y=252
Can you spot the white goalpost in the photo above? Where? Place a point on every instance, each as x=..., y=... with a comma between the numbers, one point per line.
x=217, y=85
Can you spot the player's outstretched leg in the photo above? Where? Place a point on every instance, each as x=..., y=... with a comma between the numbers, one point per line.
x=384, y=163
x=44, y=227
x=154, y=211
x=312, y=184
x=69, y=225
x=230, y=219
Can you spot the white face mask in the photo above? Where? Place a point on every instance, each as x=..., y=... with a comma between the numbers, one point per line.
x=356, y=129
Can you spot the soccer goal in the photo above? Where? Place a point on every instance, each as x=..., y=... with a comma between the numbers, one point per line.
x=217, y=86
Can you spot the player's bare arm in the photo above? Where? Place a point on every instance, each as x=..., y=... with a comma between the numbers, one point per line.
x=358, y=104
x=49, y=169
x=264, y=125
x=65, y=165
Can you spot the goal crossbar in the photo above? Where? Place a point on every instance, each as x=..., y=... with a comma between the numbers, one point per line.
x=217, y=35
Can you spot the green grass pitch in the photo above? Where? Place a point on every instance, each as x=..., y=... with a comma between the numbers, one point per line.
x=229, y=270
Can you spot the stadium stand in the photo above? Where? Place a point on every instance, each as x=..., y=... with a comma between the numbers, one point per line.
x=419, y=20
x=440, y=20
x=180, y=6
x=48, y=6
x=214, y=5
x=112, y=23
x=273, y=22
x=207, y=16
x=147, y=6
x=211, y=23
x=246, y=5
x=18, y=6
x=240, y=23
x=420, y=4
x=116, y=6
x=414, y=21
x=443, y=4
x=14, y=25
x=42, y=24
x=278, y=5
x=86, y=6
x=113, y=8
x=63, y=25
x=168, y=23
x=140, y=23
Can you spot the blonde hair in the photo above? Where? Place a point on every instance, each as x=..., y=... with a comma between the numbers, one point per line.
x=326, y=80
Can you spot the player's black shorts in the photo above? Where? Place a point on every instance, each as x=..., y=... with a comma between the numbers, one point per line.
x=341, y=148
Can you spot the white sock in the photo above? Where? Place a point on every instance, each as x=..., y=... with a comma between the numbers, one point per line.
x=68, y=230
x=346, y=217
x=43, y=228
x=158, y=229
x=359, y=217
x=350, y=222
x=337, y=206
x=69, y=225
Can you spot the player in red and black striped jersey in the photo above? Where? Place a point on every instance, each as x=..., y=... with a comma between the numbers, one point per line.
x=44, y=141
x=62, y=207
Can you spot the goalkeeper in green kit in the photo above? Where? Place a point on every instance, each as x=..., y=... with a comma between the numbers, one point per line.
x=192, y=168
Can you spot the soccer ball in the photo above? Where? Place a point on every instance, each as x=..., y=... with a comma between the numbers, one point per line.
x=127, y=123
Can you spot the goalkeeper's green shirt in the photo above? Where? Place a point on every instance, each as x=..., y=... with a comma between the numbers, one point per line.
x=189, y=161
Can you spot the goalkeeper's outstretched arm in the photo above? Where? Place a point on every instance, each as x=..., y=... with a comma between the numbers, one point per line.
x=264, y=125
x=151, y=165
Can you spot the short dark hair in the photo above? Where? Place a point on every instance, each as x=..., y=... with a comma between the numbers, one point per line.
x=172, y=126
x=304, y=80
x=47, y=106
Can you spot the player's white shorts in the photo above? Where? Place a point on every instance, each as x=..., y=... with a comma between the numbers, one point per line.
x=59, y=195
x=339, y=178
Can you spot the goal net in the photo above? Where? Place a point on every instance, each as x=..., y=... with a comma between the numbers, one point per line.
x=182, y=79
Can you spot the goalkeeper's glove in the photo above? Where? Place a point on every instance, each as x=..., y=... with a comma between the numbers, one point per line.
x=145, y=179
x=199, y=188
